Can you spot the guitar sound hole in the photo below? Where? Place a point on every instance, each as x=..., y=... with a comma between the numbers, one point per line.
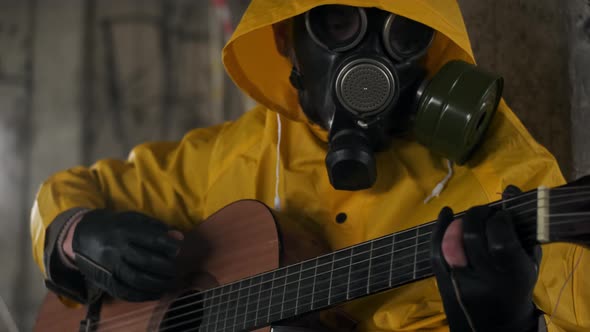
x=185, y=313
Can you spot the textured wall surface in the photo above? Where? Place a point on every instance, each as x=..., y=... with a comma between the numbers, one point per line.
x=526, y=42
x=579, y=65
x=83, y=80
x=17, y=31
x=86, y=80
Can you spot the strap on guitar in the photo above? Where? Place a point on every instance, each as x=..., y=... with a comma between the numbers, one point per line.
x=90, y=323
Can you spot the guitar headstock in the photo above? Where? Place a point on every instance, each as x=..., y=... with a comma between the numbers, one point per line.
x=568, y=213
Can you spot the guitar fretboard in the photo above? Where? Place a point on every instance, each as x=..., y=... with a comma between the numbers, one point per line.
x=353, y=272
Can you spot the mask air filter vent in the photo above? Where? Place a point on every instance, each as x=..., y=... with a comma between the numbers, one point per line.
x=365, y=87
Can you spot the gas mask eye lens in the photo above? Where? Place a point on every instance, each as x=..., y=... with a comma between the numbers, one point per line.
x=405, y=39
x=336, y=28
x=340, y=26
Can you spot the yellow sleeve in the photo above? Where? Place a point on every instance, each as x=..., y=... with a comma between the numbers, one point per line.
x=166, y=180
x=510, y=156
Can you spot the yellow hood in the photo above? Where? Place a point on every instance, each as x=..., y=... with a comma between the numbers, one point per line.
x=255, y=65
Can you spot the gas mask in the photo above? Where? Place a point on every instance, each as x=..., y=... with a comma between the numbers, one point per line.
x=358, y=74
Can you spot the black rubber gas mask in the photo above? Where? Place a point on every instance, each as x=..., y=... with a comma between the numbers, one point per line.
x=358, y=73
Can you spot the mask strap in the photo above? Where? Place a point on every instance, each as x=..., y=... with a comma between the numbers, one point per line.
x=277, y=201
x=295, y=79
x=441, y=185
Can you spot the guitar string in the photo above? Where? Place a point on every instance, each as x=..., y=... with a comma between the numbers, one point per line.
x=492, y=204
x=551, y=215
x=570, y=214
x=556, y=204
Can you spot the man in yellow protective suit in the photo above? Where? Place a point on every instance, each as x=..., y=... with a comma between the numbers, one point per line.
x=367, y=126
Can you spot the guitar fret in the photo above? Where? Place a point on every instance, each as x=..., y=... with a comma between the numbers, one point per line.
x=242, y=302
x=209, y=305
x=231, y=299
x=391, y=260
x=247, y=303
x=416, y=253
x=226, y=299
x=315, y=276
x=341, y=276
x=272, y=284
x=323, y=281
x=359, y=270
x=298, y=289
x=331, y=279
x=219, y=311
x=257, y=303
x=349, y=274
x=369, y=269
x=264, y=299
x=215, y=302
x=404, y=255
x=306, y=291
x=277, y=295
x=253, y=301
x=283, y=297
x=380, y=264
x=424, y=267
x=291, y=291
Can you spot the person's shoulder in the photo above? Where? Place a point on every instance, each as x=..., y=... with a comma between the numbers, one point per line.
x=510, y=155
x=244, y=136
x=249, y=124
x=508, y=138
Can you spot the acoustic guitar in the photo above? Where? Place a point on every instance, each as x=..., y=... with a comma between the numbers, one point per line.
x=244, y=270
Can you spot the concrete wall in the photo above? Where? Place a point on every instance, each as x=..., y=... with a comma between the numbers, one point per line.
x=526, y=42
x=83, y=80
x=579, y=70
x=16, y=90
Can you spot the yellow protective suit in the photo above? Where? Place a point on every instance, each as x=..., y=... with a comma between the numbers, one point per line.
x=183, y=183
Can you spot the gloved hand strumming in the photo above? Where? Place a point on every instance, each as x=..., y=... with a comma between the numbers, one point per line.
x=129, y=255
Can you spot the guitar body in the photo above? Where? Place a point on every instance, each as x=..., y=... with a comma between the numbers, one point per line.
x=237, y=242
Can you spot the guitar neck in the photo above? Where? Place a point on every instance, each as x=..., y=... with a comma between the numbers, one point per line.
x=319, y=283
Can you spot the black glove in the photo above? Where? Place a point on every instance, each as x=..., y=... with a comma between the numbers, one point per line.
x=128, y=255
x=494, y=291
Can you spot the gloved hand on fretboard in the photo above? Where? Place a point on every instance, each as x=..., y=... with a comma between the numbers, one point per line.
x=485, y=277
